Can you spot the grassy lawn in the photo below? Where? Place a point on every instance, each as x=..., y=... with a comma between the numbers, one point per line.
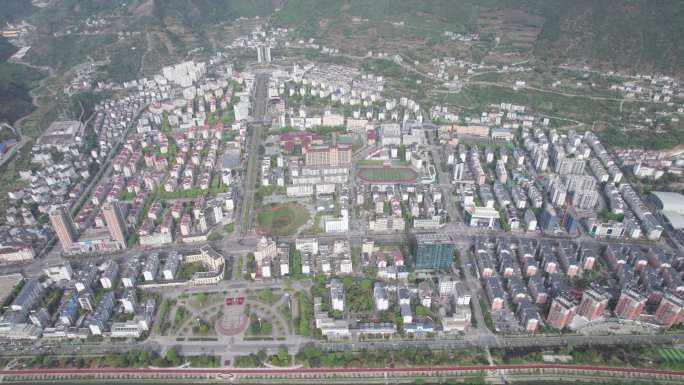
x=201, y=300
x=282, y=219
x=259, y=326
x=188, y=269
x=267, y=295
x=181, y=316
x=203, y=328
x=163, y=324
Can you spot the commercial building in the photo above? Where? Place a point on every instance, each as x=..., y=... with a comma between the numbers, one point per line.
x=266, y=248
x=608, y=229
x=502, y=134
x=530, y=220
x=61, y=133
x=110, y=271
x=331, y=328
x=131, y=271
x=115, y=223
x=171, y=265
x=86, y=299
x=651, y=225
x=328, y=155
x=447, y=286
x=459, y=171
x=40, y=318
x=59, y=271
x=480, y=131
x=381, y=297
x=307, y=245
x=64, y=227
x=482, y=216
x=670, y=205
x=16, y=252
x=495, y=293
x=585, y=199
x=337, y=295
x=598, y=170
x=548, y=220
x=528, y=315
x=457, y=320
x=85, y=277
x=151, y=267
x=433, y=251
x=391, y=223
x=420, y=326
x=97, y=322
x=28, y=295
x=129, y=300
x=390, y=134
x=212, y=261
x=128, y=329
x=377, y=328
x=263, y=53
x=569, y=166
x=68, y=310
x=337, y=224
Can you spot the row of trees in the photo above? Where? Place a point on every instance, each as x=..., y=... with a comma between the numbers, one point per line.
x=259, y=360
x=305, y=314
x=132, y=359
x=312, y=357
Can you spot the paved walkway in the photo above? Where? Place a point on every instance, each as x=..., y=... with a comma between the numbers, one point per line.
x=230, y=326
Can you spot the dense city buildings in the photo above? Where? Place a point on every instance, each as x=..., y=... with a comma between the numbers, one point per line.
x=258, y=197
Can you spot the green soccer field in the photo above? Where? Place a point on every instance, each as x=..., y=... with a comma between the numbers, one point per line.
x=672, y=355
x=388, y=174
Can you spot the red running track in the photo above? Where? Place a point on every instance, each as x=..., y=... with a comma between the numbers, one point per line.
x=335, y=370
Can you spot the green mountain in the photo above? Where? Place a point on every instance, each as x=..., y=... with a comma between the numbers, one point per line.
x=616, y=34
x=638, y=35
x=12, y=10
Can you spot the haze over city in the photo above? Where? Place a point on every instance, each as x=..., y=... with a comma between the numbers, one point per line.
x=341, y=191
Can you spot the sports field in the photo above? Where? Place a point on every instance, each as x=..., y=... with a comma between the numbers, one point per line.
x=282, y=219
x=388, y=174
x=672, y=355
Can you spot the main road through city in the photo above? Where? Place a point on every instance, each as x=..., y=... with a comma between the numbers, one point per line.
x=251, y=174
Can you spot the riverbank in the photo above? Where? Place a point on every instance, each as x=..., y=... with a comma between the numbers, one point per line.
x=526, y=373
